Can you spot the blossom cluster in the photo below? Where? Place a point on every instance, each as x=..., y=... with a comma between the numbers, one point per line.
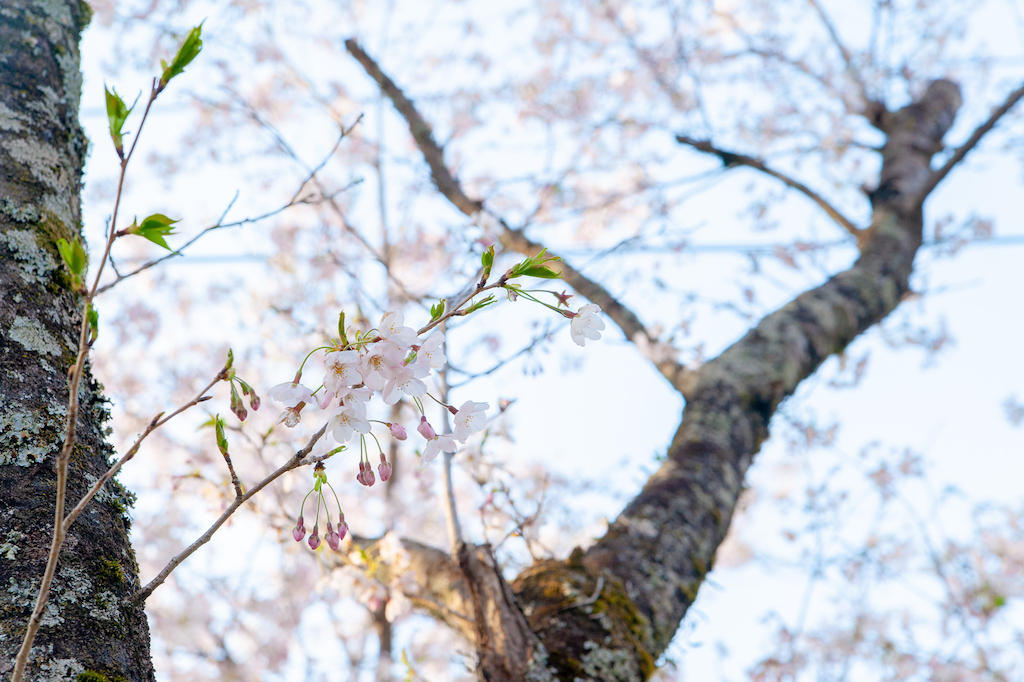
x=392, y=361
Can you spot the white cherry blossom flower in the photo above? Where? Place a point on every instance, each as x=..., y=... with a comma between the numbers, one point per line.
x=290, y=394
x=342, y=370
x=392, y=329
x=380, y=362
x=293, y=396
x=586, y=324
x=469, y=419
x=435, y=445
x=345, y=422
x=403, y=382
x=431, y=353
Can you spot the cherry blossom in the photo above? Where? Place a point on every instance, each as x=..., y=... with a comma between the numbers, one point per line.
x=431, y=353
x=469, y=419
x=346, y=421
x=438, y=444
x=342, y=370
x=403, y=382
x=586, y=324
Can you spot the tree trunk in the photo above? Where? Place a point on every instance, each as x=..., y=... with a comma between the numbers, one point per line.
x=609, y=612
x=88, y=626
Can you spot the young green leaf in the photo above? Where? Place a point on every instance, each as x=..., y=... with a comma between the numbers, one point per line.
x=479, y=304
x=341, y=329
x=487, y=260
x=188, y=51
x=436, y=311
x=222, y=441
x=117, y=113
x=93, y=318
x=540, y=271
x=73, y=255
x=154, y=228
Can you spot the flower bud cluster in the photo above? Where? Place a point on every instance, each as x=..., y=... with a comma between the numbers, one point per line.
x=334, y=536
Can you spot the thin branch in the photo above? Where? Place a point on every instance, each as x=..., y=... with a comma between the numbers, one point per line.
x=851, y=70
x=972, y=142
x=451, y=511
x=236, y=483
x=294, y=462
x=730, y=159
x=157, y=421
x=315, y=179
x=511, y=238
x=295, y=200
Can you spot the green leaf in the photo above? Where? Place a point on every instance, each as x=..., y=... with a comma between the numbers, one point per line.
x=534, y=266
x=480, y=304
x=117, y=114
x=93, y=317
x=188, y=51
x=231, y=359
x=540, y=271
x=73, y=255
x=436, y=311
x=222, y=441
x=155, y=228
x=341, y=329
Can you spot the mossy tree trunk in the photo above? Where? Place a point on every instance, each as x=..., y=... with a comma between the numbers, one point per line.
x=608, y=612
x=90, y=630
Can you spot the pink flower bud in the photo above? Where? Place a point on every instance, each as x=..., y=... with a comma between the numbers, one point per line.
x=254, y=401
x=384, y=468
x=342, y=529
x=332, y=538
x=426, y=430
x=314, y=538
x=299, y=531
x=398, y=431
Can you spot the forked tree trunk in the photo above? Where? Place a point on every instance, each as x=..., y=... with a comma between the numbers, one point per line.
x=609, y=612
x=88, y=625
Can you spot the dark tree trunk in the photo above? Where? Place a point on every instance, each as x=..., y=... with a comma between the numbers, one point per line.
x=88, y=625
x=609, y=612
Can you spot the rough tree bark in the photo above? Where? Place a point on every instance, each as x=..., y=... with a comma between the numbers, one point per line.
x=90, y=630
x=608, y=612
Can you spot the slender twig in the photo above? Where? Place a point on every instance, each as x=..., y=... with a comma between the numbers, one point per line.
x=511, y=238
x=157, y=421
x=833, y=34
x=473, y=376
x=972, y=142
x=295, y=200
x=236, y=483
x=287, y=148
x=733, y=159
x=74, y=379
x=294, y=462
x=451, y=511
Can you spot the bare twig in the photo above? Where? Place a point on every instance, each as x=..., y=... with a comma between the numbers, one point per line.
x=236, y=483
x=286, y=147
x=157, y=421
x=511, y=238
x=294, y=462
x=972, y=142
x=730, y=159
x=295, y=200
x=833, y=34
x=451, y=512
